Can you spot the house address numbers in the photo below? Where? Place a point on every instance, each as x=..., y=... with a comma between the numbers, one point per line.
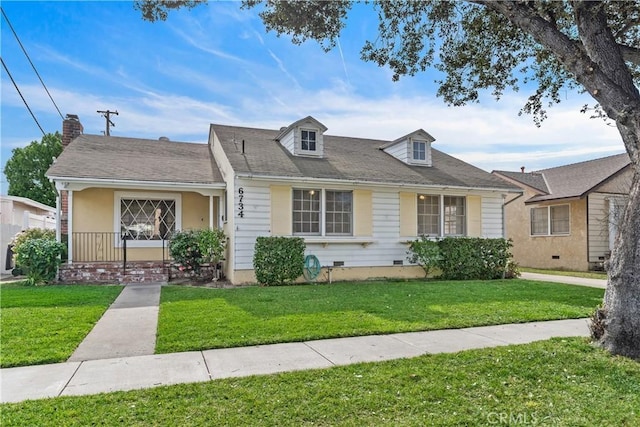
x=240, y=202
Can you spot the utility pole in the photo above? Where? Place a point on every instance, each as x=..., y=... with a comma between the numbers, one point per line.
x=106, y=114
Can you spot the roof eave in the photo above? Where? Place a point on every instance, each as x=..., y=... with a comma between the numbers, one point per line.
x=75, y=183
x=299, y=179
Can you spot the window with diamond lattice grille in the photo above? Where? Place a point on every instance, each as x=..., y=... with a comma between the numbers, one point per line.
x=144, y=219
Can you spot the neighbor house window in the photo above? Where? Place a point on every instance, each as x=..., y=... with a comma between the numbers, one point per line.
x=428, y=215
x=339, y=212
x=419, y=150
x=147, y=217
x=317, y=212
x=454, y=216
x=308, y=140
x=550, y=220
x=306, y=212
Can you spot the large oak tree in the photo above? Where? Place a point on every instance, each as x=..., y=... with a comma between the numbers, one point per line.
x=507, y=45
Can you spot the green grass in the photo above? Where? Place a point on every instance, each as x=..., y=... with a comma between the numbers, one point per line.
x=560, y=382
x=584, y=274
x=45, y=324
x=196, y=318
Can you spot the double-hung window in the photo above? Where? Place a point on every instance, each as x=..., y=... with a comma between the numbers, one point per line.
x=419, y=150
x=441, y=215
x=454, y=216
x=308, y=140
x=306, y=212
x=322, y=212
x=338, y=212
x=428, y=215
x=550, y=220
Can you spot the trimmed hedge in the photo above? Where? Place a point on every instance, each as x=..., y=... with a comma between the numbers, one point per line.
x=465, y=258
x=278, y=260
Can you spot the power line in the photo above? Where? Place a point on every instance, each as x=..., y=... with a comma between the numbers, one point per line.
x=20, y=93
x=32, y=66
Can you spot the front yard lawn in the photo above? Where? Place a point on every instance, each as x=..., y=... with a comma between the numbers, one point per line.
x=197, y=318
x=559, y=382
x=45, y=324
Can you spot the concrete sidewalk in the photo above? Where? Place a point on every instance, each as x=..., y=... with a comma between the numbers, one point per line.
x=138, y=372
x=569, y=280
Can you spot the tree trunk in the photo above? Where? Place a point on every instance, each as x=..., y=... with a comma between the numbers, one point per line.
x=622, y=298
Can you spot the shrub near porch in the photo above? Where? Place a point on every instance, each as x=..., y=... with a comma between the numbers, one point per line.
x=195, y=318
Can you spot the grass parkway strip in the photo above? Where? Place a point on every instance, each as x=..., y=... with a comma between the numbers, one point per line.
x=559, y=382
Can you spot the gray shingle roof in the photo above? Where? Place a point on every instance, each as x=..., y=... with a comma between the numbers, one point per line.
x=577, y=179
x=133, y=159
x=530, y=179
x=345, y=158
x=574, y=180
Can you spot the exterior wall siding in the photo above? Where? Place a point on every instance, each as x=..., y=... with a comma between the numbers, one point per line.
x=362, y=256
x=492, y=221
x=541, y=251
x=399, y=151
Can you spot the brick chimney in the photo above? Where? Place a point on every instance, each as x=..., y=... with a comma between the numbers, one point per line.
x=71, y=128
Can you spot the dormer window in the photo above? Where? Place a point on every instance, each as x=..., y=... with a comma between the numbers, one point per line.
x=412, y=149
x=308, y=140
x=420, y=150
x=303, y=138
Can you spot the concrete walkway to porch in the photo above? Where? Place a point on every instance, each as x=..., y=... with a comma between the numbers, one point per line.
x=127, y=328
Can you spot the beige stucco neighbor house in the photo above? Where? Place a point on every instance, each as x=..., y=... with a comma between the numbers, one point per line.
x=356, y=202
x=566, y=217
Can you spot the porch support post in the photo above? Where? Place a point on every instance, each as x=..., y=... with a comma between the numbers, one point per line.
x=442, y=215
x=70, y=225
x=211, y=222
x=58, y=217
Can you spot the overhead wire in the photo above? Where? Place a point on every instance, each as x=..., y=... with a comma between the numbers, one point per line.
x=30, y=62
x=20, y=93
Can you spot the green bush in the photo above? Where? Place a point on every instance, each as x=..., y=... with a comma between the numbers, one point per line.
x=25, y=236
x=39, y=259
x=278, y=260
x=191, y=249
x=426, y=253
x=32, y=233
x=465, y=258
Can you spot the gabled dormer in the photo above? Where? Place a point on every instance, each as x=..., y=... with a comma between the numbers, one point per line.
x=413, y=149
x=303, y=138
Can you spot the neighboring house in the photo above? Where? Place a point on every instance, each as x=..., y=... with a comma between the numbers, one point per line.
x=356, y=202
x=567, y=216
x=20, y=213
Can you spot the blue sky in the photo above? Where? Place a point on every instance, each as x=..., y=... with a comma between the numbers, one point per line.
x=217, y=64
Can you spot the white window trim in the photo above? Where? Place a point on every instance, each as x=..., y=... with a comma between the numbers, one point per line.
x=311, y=152
x=411, y=159
x=323, y=218
x=548, y=233
x=441, y=215
x=118, y=195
